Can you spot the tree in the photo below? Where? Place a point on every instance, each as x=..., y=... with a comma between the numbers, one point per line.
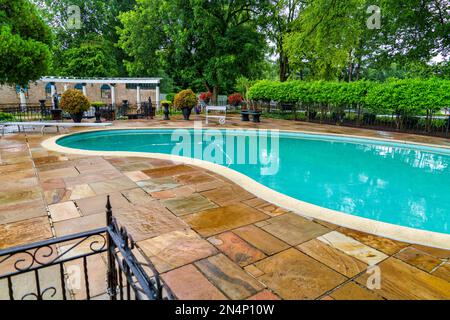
x=98, y=19
x=199, y=44
x=325, y=36
x=24, y=43
x=89, y=59
x=278, y=25
x=331, y=40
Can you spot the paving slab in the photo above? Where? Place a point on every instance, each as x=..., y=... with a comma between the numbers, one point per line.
x=182, y=280
x=294, y=229
x=333, y=258
x=400, y=281
x=353, y=248
x=293, y=275
x=236, y=249
x=229, y=277
x=260, y=239
x=218, y=220
x=174, y=249
x=181, y=206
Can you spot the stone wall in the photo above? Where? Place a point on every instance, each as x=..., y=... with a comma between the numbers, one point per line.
x=36, y=92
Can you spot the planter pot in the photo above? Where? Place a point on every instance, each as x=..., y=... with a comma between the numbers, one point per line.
x=97, y=115
x=245, y=116
x=256, y=117
x=77, y=117
x=166, y=112
x=186, y=113
x=56, y=114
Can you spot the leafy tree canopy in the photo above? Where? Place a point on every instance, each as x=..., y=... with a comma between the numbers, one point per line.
x=203, y=44
x=24, y=43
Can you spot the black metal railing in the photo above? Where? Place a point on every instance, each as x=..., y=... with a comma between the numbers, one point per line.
x=40, y=271
x=28, y=112
x=433, y=125
x=42, y=112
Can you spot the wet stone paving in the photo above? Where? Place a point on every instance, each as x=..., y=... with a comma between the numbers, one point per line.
x=205, y=235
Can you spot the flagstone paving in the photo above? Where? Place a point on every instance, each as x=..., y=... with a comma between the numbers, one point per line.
x=209, y=238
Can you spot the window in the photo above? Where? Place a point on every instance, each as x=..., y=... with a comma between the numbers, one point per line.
x=79, y=86
x=105, y=92
x=48, y=91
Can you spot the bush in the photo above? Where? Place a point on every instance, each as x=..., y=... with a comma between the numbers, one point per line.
x=6, y=117
x=185, y=99
x=96, y=104
x=170, y=97
x=73, y=102
x=403, y=98
x=205, y=96
x=168, y=102
x=235, y=99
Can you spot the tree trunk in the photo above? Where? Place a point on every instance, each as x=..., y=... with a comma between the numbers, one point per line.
x=284, y=67
x=215, y=94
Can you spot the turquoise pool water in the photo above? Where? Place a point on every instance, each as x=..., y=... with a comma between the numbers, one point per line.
x=401, y=184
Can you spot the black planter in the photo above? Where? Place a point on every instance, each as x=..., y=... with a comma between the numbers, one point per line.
x=186, y=113
x=97, y=115
x=256, y=116
x=166, y=111
x=77, y=117
x=56, y=114
x=245, y=116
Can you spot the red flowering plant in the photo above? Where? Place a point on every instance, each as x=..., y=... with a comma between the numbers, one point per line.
x=205, y=96
x=235, y=99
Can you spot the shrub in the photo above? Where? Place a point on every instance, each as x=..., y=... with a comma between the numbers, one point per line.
x=235, y=99
x=96, y=104
x=170, y=97
x=205, y=96
x=168, y=102
x=73, y=102
x=185, y=99
x=6, y=117
x=399, y=97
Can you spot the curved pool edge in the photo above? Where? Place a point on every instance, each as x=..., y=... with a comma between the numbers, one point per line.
x=308, y=210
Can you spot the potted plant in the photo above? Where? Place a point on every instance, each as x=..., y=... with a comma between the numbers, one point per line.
x=244, y=112
x=97, y=105
x=235, y=99
x=166, y=105
x=75, y=103
x=185, y=100
x=205, y=97
x=255, y=112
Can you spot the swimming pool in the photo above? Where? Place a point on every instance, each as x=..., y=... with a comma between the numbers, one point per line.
x=401, y=184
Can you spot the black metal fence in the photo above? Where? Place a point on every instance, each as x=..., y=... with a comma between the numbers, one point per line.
x=29, y=112
x=433, y=125
x=62, y=268
x=38, y=112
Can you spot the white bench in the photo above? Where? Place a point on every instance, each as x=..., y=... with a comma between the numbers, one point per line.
x=222, y=117
x=44, y=125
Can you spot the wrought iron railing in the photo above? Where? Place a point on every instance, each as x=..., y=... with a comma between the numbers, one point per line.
x=436, y=125
x=40, y=270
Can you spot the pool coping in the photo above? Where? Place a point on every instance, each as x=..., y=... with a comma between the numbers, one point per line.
x=302, y=208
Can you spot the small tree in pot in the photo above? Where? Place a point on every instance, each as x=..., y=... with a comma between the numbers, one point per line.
x=75, y=103
x=185, y=100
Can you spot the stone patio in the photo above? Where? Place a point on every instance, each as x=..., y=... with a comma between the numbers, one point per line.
x=208, y=237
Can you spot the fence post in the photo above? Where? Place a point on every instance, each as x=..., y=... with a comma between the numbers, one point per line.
x=448, y=125
x=112, y=274
x=43, y=111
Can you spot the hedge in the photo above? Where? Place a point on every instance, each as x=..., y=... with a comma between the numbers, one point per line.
x=400, y=97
